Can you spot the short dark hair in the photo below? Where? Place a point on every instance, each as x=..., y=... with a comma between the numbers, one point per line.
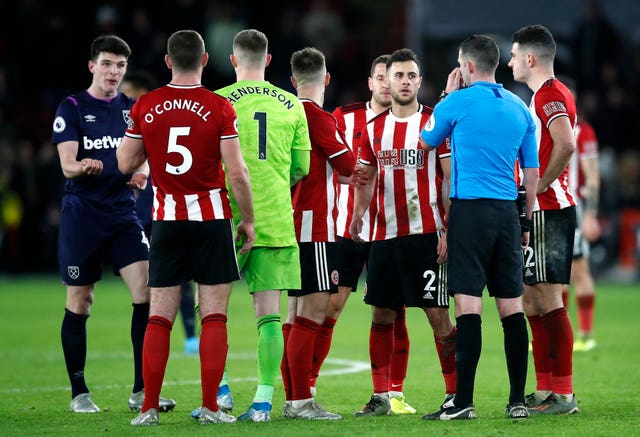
x=483, y=51
x=403, y=55
x=251, y=46
x=538, y=39
x=140, y=79
x=185, y=48
x=308, y=64
x=109, y=44
x=382, y=59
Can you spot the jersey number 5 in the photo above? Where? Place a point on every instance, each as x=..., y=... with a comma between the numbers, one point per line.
x=174, y=147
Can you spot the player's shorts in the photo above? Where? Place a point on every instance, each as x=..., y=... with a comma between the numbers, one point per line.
x=580, y=244
x=184, y=250
x=318, y=267
x=271, y=268
x=549, y=255
x=352, y=258
x=484, y=248
x=404, y=272
x=85, y=238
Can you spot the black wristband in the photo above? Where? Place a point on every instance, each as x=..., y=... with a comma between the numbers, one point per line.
x=525, y=224
x=443, y=94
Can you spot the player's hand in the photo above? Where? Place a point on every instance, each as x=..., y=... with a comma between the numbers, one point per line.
x=524, y=239
x=355, y=228
x=247, y=234
x=454, y=80
x=138, y=181
x=91, y=166
x=442, y=248
x=359, y=177
x=590, y=227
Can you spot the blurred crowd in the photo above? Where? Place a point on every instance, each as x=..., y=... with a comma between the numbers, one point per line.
x=44, y=52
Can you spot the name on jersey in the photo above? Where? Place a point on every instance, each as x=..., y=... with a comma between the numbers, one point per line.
x=401, y=158
x=177, y=104
x=270, y=92
x=106, y=142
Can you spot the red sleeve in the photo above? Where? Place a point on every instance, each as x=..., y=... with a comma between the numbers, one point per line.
x=550, y=104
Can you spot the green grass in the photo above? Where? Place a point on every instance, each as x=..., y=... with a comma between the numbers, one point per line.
x=34, y=393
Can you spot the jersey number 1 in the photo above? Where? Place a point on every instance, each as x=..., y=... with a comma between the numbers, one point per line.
x=261, y=118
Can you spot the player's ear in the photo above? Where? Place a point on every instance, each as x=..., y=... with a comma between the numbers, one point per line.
x=327, y=79
x=294, y=82
x=205, y=59
x=268, y=59
x=167, y=60
x=234, y=60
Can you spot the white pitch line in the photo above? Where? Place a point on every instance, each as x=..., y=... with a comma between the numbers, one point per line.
x=349, y=367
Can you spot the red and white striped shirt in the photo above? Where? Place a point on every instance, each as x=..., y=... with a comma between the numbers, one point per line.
x=352, y=119
x=551, y=101
x=181, y=127
x=314, y=198
x=409, y=197
x=587, y=149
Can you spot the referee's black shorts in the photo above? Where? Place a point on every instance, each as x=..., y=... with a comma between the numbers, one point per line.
x=484, y=248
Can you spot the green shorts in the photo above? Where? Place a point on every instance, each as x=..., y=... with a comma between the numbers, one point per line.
x=271, y=268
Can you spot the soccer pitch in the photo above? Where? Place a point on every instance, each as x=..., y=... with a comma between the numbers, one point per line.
x=35, y=395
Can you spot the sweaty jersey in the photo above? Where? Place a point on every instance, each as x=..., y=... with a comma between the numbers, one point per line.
x=181, y=128
x=587, y=143
x=352, y=119
x=271, y=122
x=314, y=198
x=409, y=198
x=97, y=125
x=550, y=101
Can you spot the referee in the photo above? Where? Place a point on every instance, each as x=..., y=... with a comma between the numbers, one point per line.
x=489, y=128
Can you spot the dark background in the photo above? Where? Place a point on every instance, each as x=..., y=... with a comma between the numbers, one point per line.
x=44, y=50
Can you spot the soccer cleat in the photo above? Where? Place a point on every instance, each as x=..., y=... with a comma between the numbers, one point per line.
x=556, y=404
x=286, y=411
x=533, y=400
x=137, y=399
x=584, y=344
x=311, y=410
x=207, y=416
x=400, y=406
x=192, y=346
x=448, y=411
x=148, y=418
x=517, y=410
x=225, y=400
x=83, y=404
x=377, y=406
x=257, y=412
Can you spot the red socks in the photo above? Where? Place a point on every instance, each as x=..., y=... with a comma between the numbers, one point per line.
x=380, y=350
x=213, y=357
x=155, y=353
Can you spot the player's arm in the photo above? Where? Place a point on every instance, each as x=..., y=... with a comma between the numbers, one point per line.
x=564, y=144
x=300, y=162
x=71, y=167
x=238, y=177
x=445, y=163
x=363, y=194
x=130, y=154
x=531, y=177
x=590, y=226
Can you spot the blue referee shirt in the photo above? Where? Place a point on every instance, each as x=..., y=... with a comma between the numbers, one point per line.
x=489, y=128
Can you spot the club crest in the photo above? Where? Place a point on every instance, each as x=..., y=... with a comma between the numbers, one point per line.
x=74, y=271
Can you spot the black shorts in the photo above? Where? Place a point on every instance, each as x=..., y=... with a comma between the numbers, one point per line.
x=185, y=250
x=484, y=248
x=580, y=244
x=550, y=252
x=352, y=258
x=318, y=268
x=404, y=272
